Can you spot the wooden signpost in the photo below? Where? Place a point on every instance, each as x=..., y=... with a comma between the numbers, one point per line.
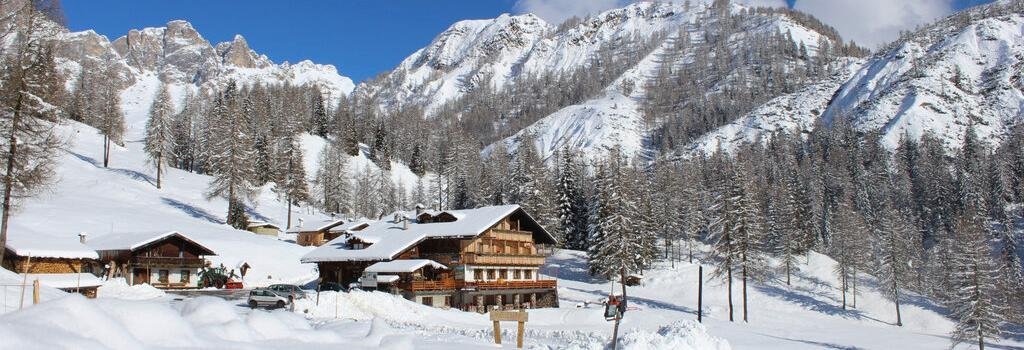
x=519, y=317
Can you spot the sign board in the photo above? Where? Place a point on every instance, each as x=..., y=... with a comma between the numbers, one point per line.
x=368, y=280
x=515, y=316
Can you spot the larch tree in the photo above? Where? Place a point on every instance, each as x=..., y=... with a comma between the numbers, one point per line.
x=617, y=245
x=976, y=295
x=290, y=182
x=28, y=116
x=848, y=249
x=746, y=233
x=895, y=243
x=230, y=155
x=159, y=135
x=109, y=119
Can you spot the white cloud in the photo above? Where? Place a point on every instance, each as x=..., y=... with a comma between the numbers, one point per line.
x=556, y=11
x=874, y=22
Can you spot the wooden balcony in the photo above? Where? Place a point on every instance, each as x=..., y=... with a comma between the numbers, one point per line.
x=452, y=284
x=167, y=261
x=512, y=235
x=503, y=259
x=538, y=284
x=416, y=286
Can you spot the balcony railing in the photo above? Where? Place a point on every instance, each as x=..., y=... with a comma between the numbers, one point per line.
x=452, y=284
x=537, y=284
x=156, y=260
x=503, y=259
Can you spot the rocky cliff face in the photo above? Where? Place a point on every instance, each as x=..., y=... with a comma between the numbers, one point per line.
x=179, y=55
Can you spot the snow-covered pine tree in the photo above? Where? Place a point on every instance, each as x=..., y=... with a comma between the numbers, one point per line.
x=976, y=293
x=159, y=137
x=666, y=206
x=617, y=242
x=319, y=122
x=290, y=182
x=28, y=141
x=744, y=222
x=332, y=180
x=1011, y=270
x=721, y=219
x=109, y=119
x=231, y=154
x=571, y=203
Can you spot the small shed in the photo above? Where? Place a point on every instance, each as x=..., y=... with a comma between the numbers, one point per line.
x=58, y=262
x=263, y=228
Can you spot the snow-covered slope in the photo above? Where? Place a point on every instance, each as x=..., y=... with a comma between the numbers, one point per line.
x=497, y=52
x=963, y=70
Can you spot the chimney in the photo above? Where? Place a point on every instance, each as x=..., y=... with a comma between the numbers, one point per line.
x=300, y=222
x=405, y=223
x=82, y=236
x=419, y=209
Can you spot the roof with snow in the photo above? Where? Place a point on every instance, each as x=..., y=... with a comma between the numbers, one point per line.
x=23, y=243
x=135, y=240
x=322, y=225
x=389, y=237
x=66, y=280
x=262, y=224
x=403, y=266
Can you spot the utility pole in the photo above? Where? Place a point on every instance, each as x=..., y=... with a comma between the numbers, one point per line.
x=700, y=293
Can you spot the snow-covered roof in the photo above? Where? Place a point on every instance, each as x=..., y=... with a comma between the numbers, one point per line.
x=262, y=224
x=36, y=245
x=403, y=266
x=387, y=278
x=136, y=240
x=351, y=226
x=390, y=237
x=322, y=225
x=66, y=280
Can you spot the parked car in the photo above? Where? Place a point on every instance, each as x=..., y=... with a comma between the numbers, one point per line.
x=287, y=290
x=337, y=287
x=266, y=297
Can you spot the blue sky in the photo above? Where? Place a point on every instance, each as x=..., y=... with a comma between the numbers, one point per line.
x=360, y=37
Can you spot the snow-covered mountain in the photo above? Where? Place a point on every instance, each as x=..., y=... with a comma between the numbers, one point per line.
x=965, y=69
x=497, y=53
x=179, y=55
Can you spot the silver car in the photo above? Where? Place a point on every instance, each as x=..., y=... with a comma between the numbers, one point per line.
x=266, y=297
x=288, y=290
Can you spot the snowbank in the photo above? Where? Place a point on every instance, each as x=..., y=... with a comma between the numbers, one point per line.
x=682, y=335
x=118, y=288
x=74, y=322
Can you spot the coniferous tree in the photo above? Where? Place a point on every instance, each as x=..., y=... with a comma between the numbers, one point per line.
x=159, y=137
x=230, y=154
x=976, y=291
x=895, y=241
x=849, y=247
x=332, y=179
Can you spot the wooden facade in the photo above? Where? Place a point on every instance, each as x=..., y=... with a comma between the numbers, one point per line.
x=172, y=262
x=48, y=265
x=496, y=269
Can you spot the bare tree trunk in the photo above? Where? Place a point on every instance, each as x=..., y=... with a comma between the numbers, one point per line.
x=842, y=284
x=729, y=279
x=854, y=287
x=789, y=263
x=9, y=180
x=106, y=151
x=745, y=293
x=159, y=167
x=896, y=294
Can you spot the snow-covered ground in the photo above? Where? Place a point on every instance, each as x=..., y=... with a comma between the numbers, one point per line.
x=806, y=315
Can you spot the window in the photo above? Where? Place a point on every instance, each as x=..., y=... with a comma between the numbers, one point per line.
x=528, y=274
x=428, y=301
x=517, y=274
x=491, y=275
x=163, y=276
x=478, y=274
x=503, y=274
x=447, y=300
x=185, y=276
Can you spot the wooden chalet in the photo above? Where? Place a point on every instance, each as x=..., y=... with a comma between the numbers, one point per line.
x=322, y=232
x=477, y=259
x=263, y=228
x=169, y=260
x=61, y=263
